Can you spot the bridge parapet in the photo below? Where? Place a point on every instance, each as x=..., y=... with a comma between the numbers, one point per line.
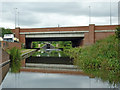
x=90, y=33
x=80, y=28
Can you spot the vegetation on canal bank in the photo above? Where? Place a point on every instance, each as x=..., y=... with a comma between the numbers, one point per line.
x=15, y=56
x=102, y=55
x=101, y=60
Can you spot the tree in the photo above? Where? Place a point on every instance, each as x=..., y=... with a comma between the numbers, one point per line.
x=118, y=37
x=118, y=33
x=5, y=31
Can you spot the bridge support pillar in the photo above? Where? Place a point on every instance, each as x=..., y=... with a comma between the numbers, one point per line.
x=17, y=32
x=91, y=34
x=28, y=44
x=23, y=63
x=22, y=39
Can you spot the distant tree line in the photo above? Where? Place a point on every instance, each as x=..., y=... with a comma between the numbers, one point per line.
x=4, y=31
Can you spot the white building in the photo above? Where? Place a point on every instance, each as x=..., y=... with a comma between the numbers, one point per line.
x=8, y=37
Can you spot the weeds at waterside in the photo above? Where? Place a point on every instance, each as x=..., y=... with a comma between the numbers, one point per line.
x=15, y=57
x=102, y=59
x=102, y=55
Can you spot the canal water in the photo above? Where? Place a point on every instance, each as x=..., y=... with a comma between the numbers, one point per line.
x=44, y=80
x=27, y=79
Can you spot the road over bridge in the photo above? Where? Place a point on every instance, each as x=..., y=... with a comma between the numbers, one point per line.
x=79, y=35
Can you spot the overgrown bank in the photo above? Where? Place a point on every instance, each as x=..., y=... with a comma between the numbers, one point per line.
x=102, y=55
x=101, y=59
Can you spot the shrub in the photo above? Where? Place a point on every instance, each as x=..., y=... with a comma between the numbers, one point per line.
x=15, y=57
x=102, y=55
x=118, y=32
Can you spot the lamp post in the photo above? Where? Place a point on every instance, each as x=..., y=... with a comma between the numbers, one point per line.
x=110, y=14
x=89, y=14
x=18, y=18
x=15, y=16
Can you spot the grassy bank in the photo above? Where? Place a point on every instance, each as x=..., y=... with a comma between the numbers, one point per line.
x=100, y=60
x=102, y=55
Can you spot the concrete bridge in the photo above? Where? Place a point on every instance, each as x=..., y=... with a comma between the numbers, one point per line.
x=79, y=35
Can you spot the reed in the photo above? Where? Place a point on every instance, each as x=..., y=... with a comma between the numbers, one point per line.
x=15, y=57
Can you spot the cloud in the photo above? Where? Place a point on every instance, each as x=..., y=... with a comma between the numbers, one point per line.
x=59, y=1
x=67, y=8
x=52, y=13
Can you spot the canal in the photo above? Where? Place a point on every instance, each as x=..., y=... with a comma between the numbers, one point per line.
x=53, y=69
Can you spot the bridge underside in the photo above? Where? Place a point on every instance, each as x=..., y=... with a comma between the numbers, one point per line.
x=76, y=41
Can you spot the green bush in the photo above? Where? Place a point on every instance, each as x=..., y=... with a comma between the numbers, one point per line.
x=102, y=55
x=35, y=44
x=101, y=60
x=118, y=37
x=118, y=32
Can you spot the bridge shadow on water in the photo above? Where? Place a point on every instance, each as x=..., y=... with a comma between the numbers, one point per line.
x=50, y=60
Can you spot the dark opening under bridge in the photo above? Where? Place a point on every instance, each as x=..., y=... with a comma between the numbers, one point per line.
x=79, y=35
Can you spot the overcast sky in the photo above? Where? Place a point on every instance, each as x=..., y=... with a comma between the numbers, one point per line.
x=50, y=13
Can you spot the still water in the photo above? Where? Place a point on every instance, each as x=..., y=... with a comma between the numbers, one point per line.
x=44, y=80
x=50, y=80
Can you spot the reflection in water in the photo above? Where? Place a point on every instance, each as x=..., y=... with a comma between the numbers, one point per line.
x=44, y=80
x=50, y=53
x=100, y=79
x=15, y=66
x=50, y=56
x=111, y=77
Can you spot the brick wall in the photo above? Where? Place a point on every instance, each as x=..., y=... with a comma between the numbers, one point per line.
x=4, y=56
x=22, y=39
x=106, y=27
x=76, y=28
x=3, y=72
x=80, y=28
x=9, y=45
x=89, y=37
x=102, y=35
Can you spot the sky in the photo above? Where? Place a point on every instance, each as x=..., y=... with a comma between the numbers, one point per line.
x=51, y=13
